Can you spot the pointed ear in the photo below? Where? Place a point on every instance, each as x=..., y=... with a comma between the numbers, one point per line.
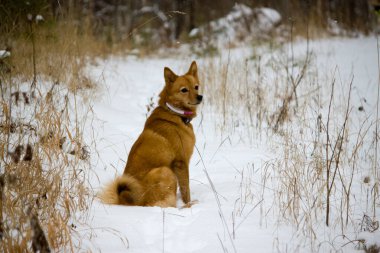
x=169, y=75
x=193, y=70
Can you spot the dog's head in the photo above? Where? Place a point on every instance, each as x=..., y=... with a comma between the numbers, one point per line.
x=182, y=92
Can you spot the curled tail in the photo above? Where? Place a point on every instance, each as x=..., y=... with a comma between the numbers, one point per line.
x=124, y=190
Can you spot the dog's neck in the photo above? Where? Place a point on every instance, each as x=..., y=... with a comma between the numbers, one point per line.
x=184, y=114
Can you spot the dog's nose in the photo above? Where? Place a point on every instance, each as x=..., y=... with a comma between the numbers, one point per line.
x=199, y=98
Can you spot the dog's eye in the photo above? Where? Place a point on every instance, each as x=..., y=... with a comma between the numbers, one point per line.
x=184, y=90
x=196, y=87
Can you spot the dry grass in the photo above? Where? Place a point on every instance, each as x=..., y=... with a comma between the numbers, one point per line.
x=42, y=178
x=322, y=156
x=230, y=81
x=262, y=88
x=62, y=50
x=44, y=167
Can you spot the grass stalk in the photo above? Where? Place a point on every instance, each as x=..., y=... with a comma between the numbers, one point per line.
x=328, y=161
x=376, y=170
x=221, y=215
x=33, y=38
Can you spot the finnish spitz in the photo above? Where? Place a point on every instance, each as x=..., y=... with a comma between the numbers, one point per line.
x=159, y=159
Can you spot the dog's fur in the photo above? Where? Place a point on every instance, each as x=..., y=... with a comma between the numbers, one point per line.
x=160, y=157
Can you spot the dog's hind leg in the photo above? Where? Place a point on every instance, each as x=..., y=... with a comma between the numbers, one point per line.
x=160, y=188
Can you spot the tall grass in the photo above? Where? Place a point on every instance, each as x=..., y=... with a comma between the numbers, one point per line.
x=43, y=159
x=322, y=170
x=61, y=53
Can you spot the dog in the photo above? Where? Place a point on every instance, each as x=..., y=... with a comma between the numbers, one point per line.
x=159, y=159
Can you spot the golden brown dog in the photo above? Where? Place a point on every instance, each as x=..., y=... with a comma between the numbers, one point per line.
x=160, y=157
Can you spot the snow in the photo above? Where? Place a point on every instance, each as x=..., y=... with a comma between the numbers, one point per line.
x=4, y=54
x=370, y=238
x=241, y=22
x=267, y=18
x=245, y=220
x=39, y=18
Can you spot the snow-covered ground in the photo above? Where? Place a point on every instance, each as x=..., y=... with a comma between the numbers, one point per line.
x=237, y=216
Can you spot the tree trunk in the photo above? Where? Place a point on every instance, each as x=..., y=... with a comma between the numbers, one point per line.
x=179, y=19
x=191, y=15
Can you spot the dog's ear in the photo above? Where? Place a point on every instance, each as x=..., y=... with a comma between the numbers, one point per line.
x=193, y=70
x=169, y=75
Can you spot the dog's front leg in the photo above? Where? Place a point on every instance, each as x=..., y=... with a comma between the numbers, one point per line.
x=181, y=170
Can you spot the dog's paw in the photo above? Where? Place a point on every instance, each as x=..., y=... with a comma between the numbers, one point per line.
x=189, y=204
